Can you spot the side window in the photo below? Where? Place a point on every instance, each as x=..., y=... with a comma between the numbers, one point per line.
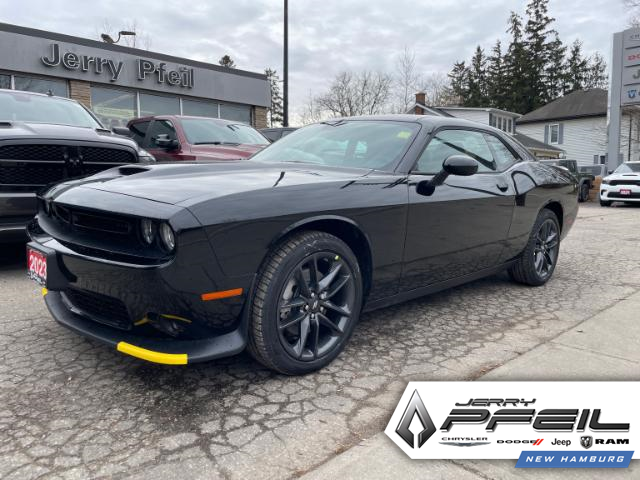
x=160, y=127
x=138, y=131
x=501, y=154
x=456, y=142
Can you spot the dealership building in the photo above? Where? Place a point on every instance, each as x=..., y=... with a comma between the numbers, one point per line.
x=120, y=83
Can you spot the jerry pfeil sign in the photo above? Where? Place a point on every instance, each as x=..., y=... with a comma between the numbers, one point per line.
x=180, y=77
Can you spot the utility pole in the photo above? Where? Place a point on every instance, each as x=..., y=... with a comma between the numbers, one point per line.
x=285, y=68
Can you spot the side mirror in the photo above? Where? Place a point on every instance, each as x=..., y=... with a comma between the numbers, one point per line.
x=460, y=165
x=124, y=131
x=163, y=141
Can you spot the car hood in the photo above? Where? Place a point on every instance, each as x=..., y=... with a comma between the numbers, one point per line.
x=623, y=176
x=181, y=182
x=226, y=152
x=48, y=131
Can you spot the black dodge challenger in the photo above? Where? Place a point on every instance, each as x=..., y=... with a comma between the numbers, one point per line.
x=281, y=253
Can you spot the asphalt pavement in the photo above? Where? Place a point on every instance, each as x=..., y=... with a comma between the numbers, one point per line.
x=73, y=408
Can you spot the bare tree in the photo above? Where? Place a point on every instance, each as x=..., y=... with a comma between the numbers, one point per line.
x=406, y=81
x=437, y=87
x=141, y=39
x=310, y=111
x=364, y=93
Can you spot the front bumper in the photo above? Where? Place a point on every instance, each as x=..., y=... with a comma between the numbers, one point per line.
x=18, y=209
x=611, y=193
x=131, y=307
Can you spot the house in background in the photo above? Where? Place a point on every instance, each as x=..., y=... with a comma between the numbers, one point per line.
x=577, y=124
x=501, y=119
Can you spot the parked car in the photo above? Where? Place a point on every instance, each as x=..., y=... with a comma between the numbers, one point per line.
x=623, y=185
x=274, y=134
x=599, y=172
x=173, y=138
x=585, y=179
x=44, y=140
x=280, y=253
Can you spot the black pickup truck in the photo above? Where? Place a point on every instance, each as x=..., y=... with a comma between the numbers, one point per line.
x=45, y=140
x=585, y=179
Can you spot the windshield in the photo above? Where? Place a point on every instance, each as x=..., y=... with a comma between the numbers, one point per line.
x=628, y=168
x=207, y=131
x=356, y=143
x=24, y=107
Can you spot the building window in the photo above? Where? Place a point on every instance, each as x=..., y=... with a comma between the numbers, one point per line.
x=492, y=120
x=41, y=85
x=238, y=113
x=158, y=105
x=554, y=133
x=509, y=126
x=500, y=123
x=5, y=81
x=199, y=109
x=113, y=107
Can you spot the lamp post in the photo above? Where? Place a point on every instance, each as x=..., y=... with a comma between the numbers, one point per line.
x=285, y=68
x=107, y=38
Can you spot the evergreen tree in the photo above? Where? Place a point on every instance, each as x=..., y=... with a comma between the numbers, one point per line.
x=597, y=72
x=577, y=67
x=515, y=66
x=538, y=52
x=477, y=81
x=496, y=88
x=459, y=83
x=555, y=73
x=276, y=112
x=227, y=61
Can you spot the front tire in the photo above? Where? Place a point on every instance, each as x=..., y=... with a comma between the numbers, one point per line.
x=306, y=303
x=538, y=260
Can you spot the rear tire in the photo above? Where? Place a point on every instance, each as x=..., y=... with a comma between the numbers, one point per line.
x=300, y=321
x=604, y=203
x=584, y=192
x=536, y=264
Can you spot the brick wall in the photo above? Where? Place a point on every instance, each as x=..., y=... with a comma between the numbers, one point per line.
x=80, y=91
x=260, y=117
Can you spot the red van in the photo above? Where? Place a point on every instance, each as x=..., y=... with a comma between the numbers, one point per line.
x=172, y=138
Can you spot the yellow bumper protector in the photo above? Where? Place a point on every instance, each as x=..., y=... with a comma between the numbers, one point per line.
x=44, y=291
x=152, y=356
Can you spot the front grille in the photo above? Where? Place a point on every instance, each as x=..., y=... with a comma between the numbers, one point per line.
x=35, y=166
x=624, y=182
x=36, y=175
x=619, y=195
x=101, y=308
x=83, y=220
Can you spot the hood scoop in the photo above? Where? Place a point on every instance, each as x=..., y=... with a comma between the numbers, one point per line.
x=131, y=170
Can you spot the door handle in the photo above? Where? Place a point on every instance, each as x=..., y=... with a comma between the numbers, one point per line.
x=502, y=186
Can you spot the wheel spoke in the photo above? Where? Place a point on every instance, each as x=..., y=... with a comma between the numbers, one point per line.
x=291, y=322
x=305, y=325
x=548, y=260
x=330, y=277
x=293, y=303
x=315, y=337
x=537, y=259
x=338, y=286
x=302, y=283
x=342, y=310
x=324, y=320
x=313, y=271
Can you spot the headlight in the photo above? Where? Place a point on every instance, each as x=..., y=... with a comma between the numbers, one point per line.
x=145, y=157
x=168, y=237
x=148, y=230
x=605, y=181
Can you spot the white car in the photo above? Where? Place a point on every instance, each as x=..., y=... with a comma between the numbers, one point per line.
x=623, y=185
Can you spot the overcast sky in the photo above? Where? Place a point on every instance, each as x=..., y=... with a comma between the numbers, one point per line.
x=326, y=36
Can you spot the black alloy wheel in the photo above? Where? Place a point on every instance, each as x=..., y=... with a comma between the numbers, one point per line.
x=306, y=303
x=584, y=192
x=536, y=264
x=547, y=243
x=316, y=305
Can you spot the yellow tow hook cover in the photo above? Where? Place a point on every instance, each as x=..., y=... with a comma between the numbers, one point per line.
x=152, y=356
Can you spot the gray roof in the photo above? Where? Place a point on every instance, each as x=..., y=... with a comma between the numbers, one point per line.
x=533, y=143
x=581, y=103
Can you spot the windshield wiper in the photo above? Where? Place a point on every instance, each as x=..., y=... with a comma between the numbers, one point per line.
x=217, y=143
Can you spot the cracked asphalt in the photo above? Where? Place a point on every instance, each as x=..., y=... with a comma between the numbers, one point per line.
x=72, y=408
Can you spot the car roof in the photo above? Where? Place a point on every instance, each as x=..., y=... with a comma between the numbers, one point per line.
x=430, y=121
x=180, y=117
x=35, y=94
